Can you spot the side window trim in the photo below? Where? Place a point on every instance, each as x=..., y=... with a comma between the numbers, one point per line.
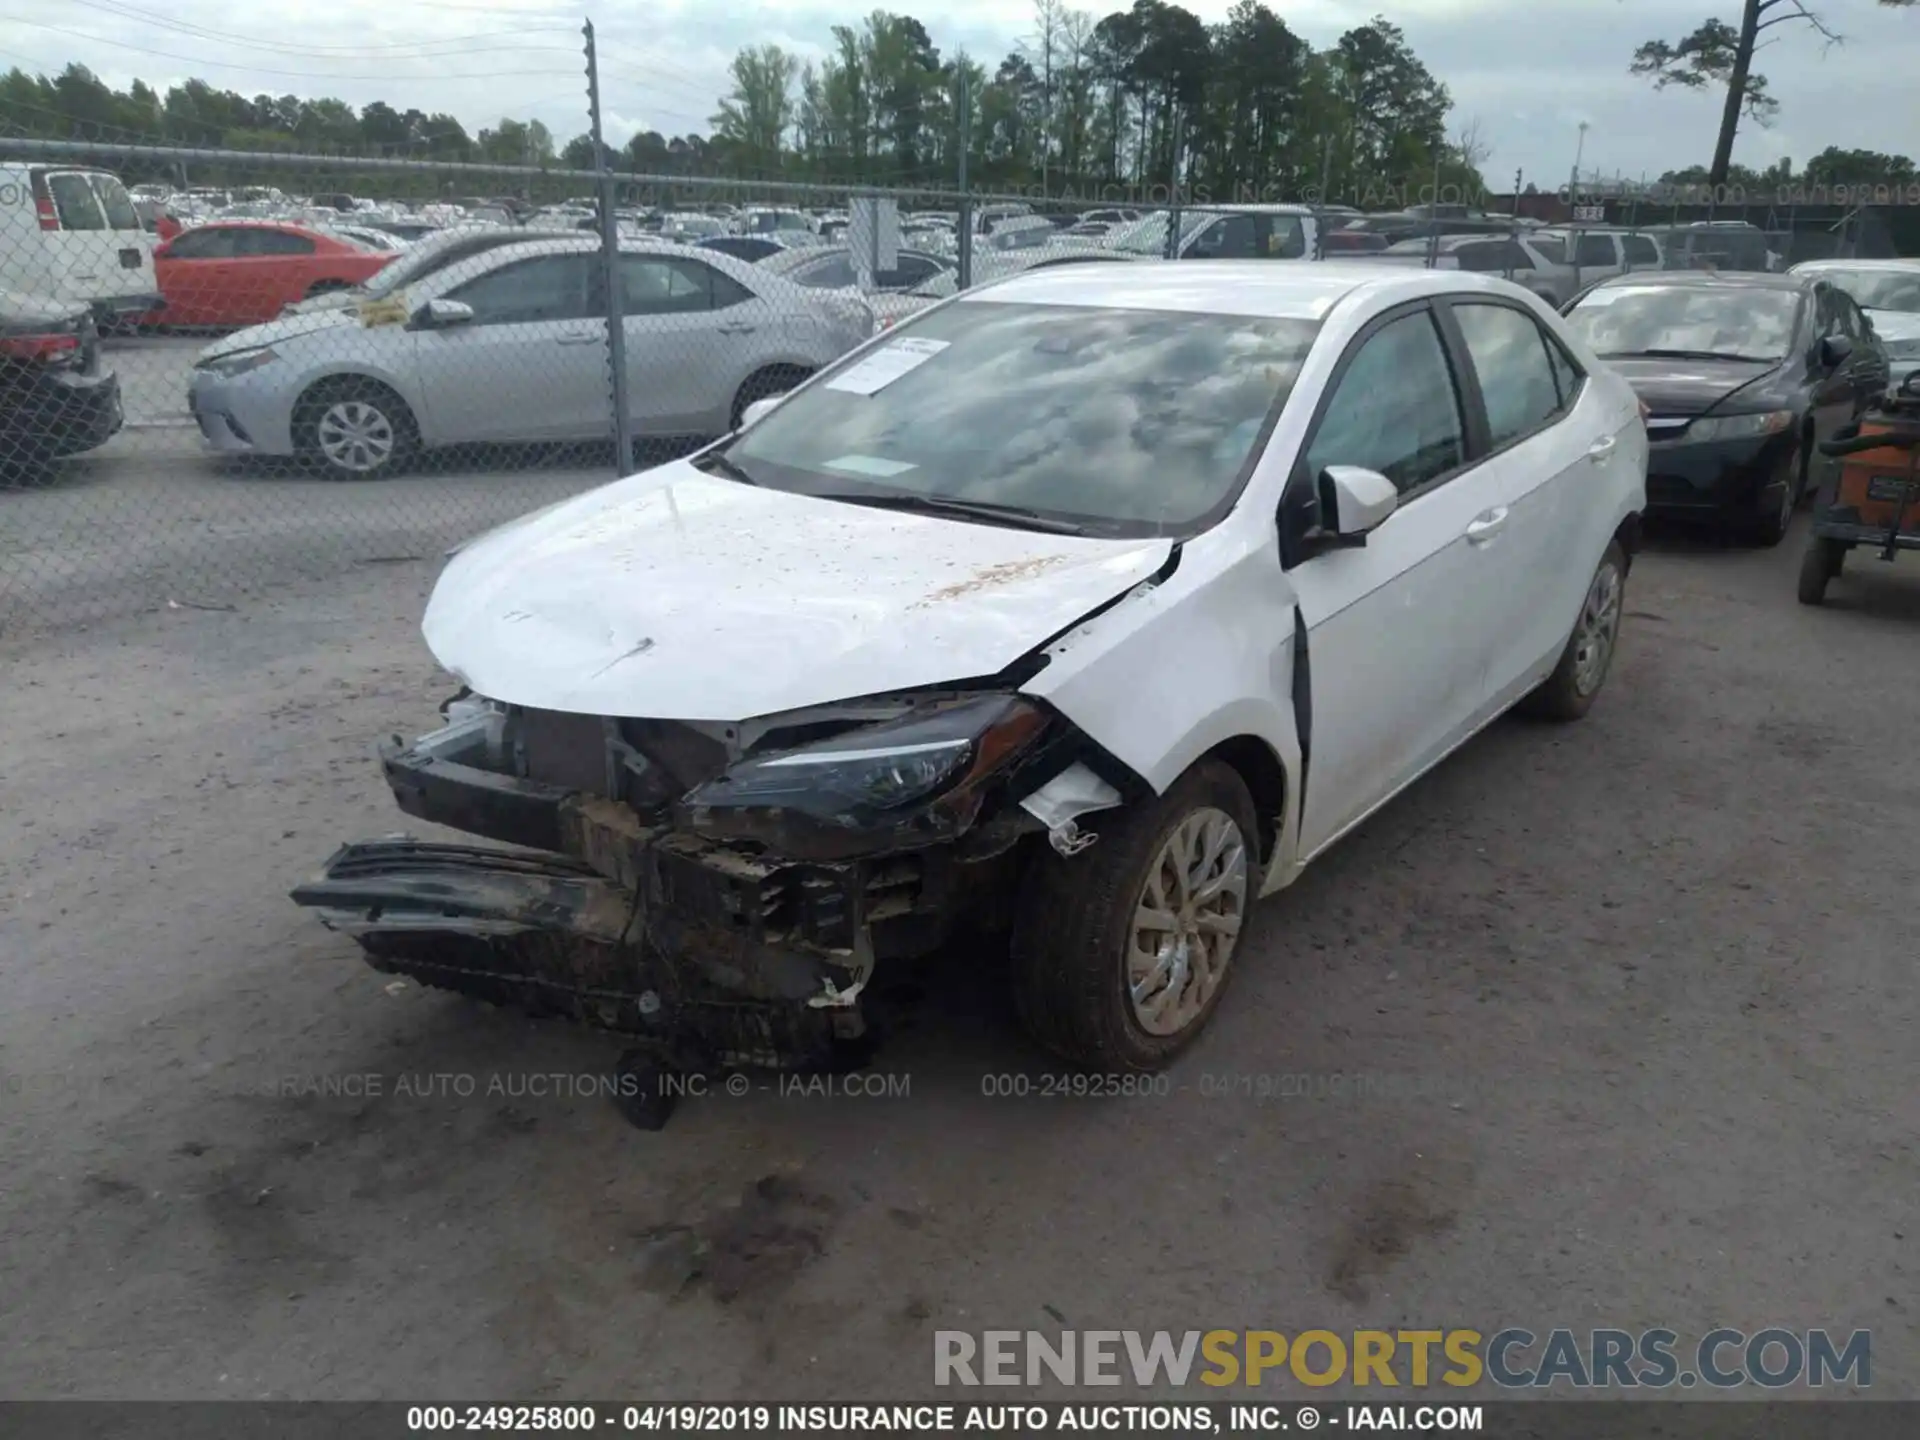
x=1480, y=429
x=1298, y=500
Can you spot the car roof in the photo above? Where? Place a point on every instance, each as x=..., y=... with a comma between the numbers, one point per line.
x=1234, y=208
x=1277, y=289
x=1892, y=266
x=1709, y=279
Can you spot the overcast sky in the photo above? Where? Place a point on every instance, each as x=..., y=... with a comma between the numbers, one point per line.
x=1529, y=71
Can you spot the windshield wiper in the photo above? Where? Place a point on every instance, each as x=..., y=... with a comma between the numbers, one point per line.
x=1690, y=355
x=720, y=464
x=1015, y=516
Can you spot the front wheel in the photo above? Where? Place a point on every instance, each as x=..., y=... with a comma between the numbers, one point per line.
x=1121, y=953
x=1769, y=525
x=352, y=429
x=1569, y=692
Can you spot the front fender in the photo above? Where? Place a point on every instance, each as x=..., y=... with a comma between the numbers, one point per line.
x=1180, y=667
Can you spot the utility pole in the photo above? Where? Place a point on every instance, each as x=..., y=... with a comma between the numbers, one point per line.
x=965, y=268
x=1433, y=217
x=1573, y=180
x=610, y=268
x=1173, y=187
x=1633, y=215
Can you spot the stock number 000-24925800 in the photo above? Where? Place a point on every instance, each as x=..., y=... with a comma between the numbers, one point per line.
x=718, y=1418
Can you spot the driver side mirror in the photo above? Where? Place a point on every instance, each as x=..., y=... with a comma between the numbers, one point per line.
x=759, y=408
x=442, y=315
x=1834, y=350
x=1354, y=502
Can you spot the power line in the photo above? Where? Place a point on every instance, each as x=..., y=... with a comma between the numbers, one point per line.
x=200, y=32
x=492, y=10
x=262, y=70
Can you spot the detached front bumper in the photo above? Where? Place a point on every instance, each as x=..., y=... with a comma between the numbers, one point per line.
x=723, y=957
x=62, y=413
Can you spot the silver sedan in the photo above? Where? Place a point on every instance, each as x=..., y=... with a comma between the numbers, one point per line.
x=510, y=345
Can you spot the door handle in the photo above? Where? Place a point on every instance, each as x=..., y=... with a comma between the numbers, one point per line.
x=1487, y=526
x=577, y=340
x=1601, y=449
x=737, y=327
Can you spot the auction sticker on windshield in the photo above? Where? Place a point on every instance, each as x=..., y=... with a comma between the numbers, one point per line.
x=870, y=465
x=1607, y=294
x=885, y=366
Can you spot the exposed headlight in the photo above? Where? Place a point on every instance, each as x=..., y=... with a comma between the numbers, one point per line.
x=240, y=362
x=923, y=771
x=1741, y=427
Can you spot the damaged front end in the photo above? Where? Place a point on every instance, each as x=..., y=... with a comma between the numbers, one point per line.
x=723, y=892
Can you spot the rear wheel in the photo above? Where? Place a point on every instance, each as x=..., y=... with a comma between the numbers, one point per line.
x=354, y=429
x=774, y=380
x=1569, y=692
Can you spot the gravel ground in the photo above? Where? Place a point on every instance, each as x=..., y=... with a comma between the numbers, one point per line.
x=1632, y=995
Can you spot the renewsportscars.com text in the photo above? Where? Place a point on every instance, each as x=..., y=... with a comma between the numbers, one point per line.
x=1511, y=1358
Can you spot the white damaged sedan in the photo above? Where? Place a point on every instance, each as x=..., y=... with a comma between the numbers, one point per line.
x=1090, y=606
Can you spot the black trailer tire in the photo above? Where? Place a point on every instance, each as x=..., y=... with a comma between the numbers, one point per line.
x=1079, y=916
x=641, y=1090
x=1818, y=566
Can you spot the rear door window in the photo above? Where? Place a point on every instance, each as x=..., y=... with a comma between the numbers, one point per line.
x=1596, y=250
x=274, y=242
x=1642, y=251
x=214, y=242
x=75, y=202
x=1286, y=238
x=117, y=204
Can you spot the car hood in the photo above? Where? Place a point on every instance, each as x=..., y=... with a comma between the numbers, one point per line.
x=1688, y=387
x=1892, y=325
x=325, y=300
x=19, y=308
x=287, y=327
x=677, y=595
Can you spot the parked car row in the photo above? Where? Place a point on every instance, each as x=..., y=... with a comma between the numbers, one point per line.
x=510, y=344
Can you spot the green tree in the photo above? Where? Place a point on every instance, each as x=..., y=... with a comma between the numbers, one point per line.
x=1716, y=54
x=1834, y=166
x=754, y=119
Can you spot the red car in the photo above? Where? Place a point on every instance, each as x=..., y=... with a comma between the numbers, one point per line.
x=241, y=272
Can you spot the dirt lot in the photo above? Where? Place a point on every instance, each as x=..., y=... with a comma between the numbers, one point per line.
x=1636, y=999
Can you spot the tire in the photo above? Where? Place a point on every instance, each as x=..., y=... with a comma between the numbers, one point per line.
x=27, y=472
x=773, y=380
x=1770, y=525
x=329, y=416
x=1818, y=566
x=1569, y=692
x=1073, y=932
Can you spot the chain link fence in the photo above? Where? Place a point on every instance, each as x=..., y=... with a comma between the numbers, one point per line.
x=224, y=369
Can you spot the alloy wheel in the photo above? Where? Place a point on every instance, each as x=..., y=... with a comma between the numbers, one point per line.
x=1599, y=627
x=356, y=436
x=1187, y=921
